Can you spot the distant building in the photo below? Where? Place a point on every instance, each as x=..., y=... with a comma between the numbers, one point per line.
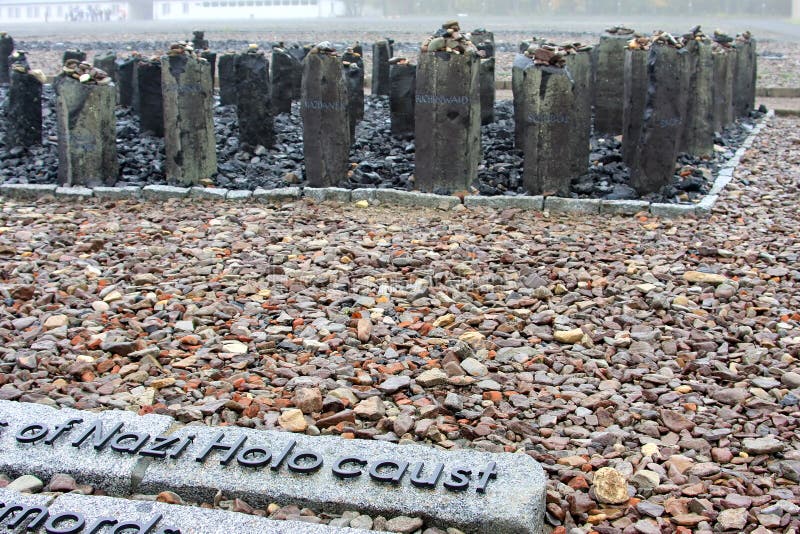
x=12, y=11
x=246, y=9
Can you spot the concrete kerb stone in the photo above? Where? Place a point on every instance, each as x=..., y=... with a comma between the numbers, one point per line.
x=363, y=194
x=27, y=191
x=719, y=185
x=623, y=207
x=209, y=193
x=75, y=193
x=323, y=194
x=583, y=206
x=276, y=195
x=525, y=202
x=416, y=199
x=164, y=192
x=105, y=469
x=118, y=193
x=188, y=519
x=239, y=195
x=672, y=211
x=705, y=206
x=513, y=502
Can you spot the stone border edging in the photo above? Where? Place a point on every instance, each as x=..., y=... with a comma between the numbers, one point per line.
x=398, y=197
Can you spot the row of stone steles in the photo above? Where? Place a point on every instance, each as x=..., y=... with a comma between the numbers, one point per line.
x=441, y=103
x=663, y=99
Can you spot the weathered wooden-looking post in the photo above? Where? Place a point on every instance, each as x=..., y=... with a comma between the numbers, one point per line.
x=664, y=117
x=87, y=136
x=697, y=138
x=326, y=124
x=609, y=62
x=6, y=48
x=226, y=65
x=381, y=53
x=149, y=97
x=189, y=142
x=745, y=74
x=724, y=56
x=254, y=107
x=551, y=104
x=635, y=96
x=403, y=81
x=107, y=62
x=24, y=117
x=126, y=67
x=447, y=112
x=521, y=62
x=579, y=66
x=353, y=70
x=484, y=42
x=282, y=74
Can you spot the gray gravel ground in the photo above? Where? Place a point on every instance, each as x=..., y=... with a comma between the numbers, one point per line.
x=664, y=349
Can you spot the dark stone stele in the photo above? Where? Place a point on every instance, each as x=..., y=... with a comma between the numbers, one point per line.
x=326, y=124
x=354, y=79
x=381, y=53
x=664, y=119
x=226, y=66
x=6, y=48
x=211, y=58
x=355, y=83
x=299, y=53
x=254, y=108
x=484, y=42
x=87, y=147
x=550, y=105
x=150, y=97
x=284, y=68
x=723, y=89
x=77, y=54
x=521, y=62
x=609, y=63
x=579, y=67
x=403, y=80
x=125, y=79
x=447, y=122
x=189, y=128
x=486, y=76
x=24, y=111
x=199, y=41
x=744, y=78
x=635, y=95
x=107, y=62
x=697, y=138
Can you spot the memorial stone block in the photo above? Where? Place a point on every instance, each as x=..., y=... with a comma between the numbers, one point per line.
x=664, y=118
x=254, y=107
x=226, y=65
x=521, y=62
x=87, y=148
x=381, y=53
x=299, y=53
x=697, y=137
x=150, y=97
x=635, y=95
x=283, y=73
x=484, y=42
x=189, y=128
x=579, y=67
x=745, y=73
x=353, y=69
x=108, y=63
x=6, y=48
x=326, y=122
x=126, y=67
x=609, y=64
x=722, y=87
x=24, y=107
x=402, y=79
x=77, y=54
